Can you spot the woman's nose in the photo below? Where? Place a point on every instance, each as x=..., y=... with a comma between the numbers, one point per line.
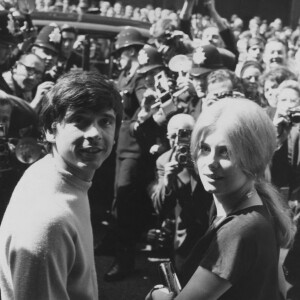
x=212, y=161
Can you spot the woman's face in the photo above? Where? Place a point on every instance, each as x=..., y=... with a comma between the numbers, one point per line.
x=270, y=88
x=288, y=98
x=250, y=79
x=218, y=172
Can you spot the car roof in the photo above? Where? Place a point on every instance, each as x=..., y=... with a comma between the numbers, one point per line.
x=107, y=27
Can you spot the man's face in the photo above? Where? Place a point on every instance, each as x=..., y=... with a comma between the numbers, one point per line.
x=83, y=140
x=49, y=57
x=173, y=128
x=125, y=59
x=275, y=55
x=28, y=72
x=5, y=114
x=68, y=40
x=211, y=35
x=255, y=52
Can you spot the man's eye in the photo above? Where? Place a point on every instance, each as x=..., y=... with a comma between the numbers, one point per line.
x=79, y=121
x=106, y=122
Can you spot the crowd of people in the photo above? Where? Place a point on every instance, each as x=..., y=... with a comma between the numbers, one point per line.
x=200, y=125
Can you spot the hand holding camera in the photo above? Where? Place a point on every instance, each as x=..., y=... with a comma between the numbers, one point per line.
x=283, y=120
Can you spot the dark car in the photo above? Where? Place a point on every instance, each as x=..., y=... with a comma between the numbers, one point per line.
x=95, y=32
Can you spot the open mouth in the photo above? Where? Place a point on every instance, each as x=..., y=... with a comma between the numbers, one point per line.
x=90, y=150
x=277, y=60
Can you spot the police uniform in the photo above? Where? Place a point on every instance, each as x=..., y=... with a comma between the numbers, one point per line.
x=129, y=186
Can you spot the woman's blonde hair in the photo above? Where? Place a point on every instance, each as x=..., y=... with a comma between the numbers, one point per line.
x=251, y=139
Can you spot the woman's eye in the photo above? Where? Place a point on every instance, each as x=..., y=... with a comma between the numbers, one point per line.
x=204, y=148
x=224, y=152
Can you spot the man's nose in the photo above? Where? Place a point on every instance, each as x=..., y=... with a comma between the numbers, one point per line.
x=93, y=132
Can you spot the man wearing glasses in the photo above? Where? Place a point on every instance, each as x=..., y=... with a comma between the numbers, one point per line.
x=25, y=76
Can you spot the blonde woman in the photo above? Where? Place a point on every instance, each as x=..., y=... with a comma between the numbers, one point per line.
x=232, y=144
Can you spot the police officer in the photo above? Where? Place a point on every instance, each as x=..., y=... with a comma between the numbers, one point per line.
x=128, y=195
x=47, y=46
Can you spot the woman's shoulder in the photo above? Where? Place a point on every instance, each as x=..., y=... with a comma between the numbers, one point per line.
x=253, y=222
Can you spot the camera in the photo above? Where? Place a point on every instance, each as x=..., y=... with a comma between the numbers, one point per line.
x=161, y=239
x=294, y=114
x=5, y=162
x=182, y=151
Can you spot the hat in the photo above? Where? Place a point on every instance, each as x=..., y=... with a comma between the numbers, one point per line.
x=7, y=28
x=129, y=36
x=205, y=59
x=228, y=58
x=68, y=28
x=149, y=58
x=50, y=38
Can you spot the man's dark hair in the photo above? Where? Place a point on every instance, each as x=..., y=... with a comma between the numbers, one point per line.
x=79, y=90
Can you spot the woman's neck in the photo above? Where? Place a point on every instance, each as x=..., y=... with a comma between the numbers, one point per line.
x=242, y=198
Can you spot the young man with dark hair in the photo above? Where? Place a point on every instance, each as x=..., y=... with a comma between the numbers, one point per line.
x=46, y=241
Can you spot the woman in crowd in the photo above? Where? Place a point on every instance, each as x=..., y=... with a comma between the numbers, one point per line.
x=238, y=256
x=250, y=74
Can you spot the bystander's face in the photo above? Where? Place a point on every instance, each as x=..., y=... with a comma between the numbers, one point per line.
x=250, y=79
x=216, y=91
x=211, y=36
x=49, y=57
x=255, y=52
x=28, y=72
x=275, y=55
x=270, y=88
x=68, y=40
x=5, y=114
x=83, y=140
x=125, y=59
x=218, y=172
x=288, y=98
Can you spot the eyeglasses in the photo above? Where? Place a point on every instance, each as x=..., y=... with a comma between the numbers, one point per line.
x=32, y=71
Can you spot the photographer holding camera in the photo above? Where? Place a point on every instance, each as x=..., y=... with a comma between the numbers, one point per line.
x=178, y=191
x=285, y=169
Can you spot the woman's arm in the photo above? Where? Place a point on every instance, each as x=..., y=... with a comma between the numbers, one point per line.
x=204, y=285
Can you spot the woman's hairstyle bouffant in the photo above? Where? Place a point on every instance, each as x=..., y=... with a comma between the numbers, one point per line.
x=247, y=128
x=251, y=139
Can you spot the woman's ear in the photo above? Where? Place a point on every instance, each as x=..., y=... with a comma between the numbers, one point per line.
x=50, y=134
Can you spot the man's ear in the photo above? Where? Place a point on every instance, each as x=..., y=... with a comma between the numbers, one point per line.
x=50, y=134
